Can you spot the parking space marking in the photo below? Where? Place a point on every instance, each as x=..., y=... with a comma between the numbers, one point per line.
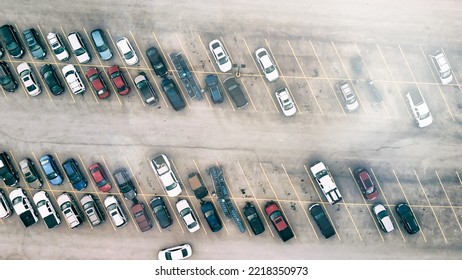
x=226, y=49
x=438, y=84
x=431, y=207
x=459, y=177
x=394, y=82
x=447, y=197
x=251, y=101
x=455, y=78
x=263, y=79
x=328, y=79
x=277, y=199
x=254, y=197
x=321, y=202
x=365, y=204
x=349, y=78
x=388, y=204
x=305, y=78
x=304, y=211
x=407, y=201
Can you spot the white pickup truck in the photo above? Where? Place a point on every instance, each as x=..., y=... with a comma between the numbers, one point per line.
x=325, y=181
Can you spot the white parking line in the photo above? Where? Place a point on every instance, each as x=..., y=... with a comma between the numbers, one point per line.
x=447, y=197
x=247, y=93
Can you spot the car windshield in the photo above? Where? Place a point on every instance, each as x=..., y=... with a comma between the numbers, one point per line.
x=5, y=80
x=382, y=215
x=40, y=203
x=275, y=215
x=65, y=205
x=139, y=214
x=79, y=51
x=129, y=55
x=87, y=205
x=11, y=46
x=102, y=48
x=223, y=60
x=158, y=66
x=168, y=256
x=424, y=116
x=17, y=200
x=112, y=207
x=252, y=216
x=31, y=88
x=171, y=187
x=270, y=69
x=158, y=208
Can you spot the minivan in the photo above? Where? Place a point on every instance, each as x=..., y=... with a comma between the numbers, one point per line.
x=78, y=47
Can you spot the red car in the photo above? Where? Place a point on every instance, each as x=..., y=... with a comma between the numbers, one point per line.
x=366, y=184
x=94, y=76
x=100, y=178
x=118, y=80
x=279, y=222
x=143, y=220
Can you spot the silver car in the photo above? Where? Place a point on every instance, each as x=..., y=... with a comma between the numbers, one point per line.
x=91, y=209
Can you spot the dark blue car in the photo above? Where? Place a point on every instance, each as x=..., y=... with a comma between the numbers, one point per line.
x=71, y=168
x=211, y=216
x=212, y=84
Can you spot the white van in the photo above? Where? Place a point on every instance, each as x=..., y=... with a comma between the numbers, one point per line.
x=441, y=64
x=419, y=108
x=78, y=47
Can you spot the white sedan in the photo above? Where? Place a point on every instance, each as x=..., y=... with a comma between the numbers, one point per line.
x=220, y=56
x=383, y=218
x=127, y=51
x=179, y=252
x=188, y=215
x=28, y=79
x=115, y=211
x=285, y=102
x=266, y=64
x=161, y=165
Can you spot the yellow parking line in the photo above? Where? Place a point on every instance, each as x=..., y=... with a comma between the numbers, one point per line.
x=226, y=49
x=460, y=180
x=447, y=197
x=251, y=101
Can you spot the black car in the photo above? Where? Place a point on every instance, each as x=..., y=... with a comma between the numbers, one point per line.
x=8, y=173
x=235, y=92
x=322, y=220
x=253, y=219
x=10, y=39
x=146, y=90
x=374, y=91
x=33, y=42
x=161, y=212
x=71, y=168
x=407, y=218
x=173, y=94
x=211, y=216
x=51, y=79
x=157, y=62
x=124, y=183
x=212, y=84
x=7, y=80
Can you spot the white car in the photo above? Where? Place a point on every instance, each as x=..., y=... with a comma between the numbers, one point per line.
x=161, y=165
x=127, y=51
x=115, y=211
x=220, y=56
x=28, y=79
x=46, y=209
x=348, y=96
x=179, y=252
x=383, y=218
x=266, y=64
x=5, y=207
x=285, y=102
x=326, y=182
x=73, y=79
x=187, y=213
x=23, y=208
x=70, y=210
x=78, y=47
x=57, y=46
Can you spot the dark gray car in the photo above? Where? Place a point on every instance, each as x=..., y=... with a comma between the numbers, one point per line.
x=124, y=183
x=235, y=92
x=7, y=80
x=213, y=86
x=161, y=212
x=33, y=42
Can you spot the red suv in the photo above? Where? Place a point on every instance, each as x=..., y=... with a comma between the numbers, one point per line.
x=118, y=80
x=366, y=184
x=97, y=83
x=143, y=221
x=100, y=178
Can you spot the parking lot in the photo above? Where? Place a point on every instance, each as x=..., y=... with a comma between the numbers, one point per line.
x=265, y=155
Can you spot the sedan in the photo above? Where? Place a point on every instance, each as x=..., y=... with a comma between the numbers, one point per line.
x=91, y=209
x=173, y=94
x=124, y=183
x=161, y=166
x=220, y=56
x=146, y=90
x=322, y=220
x=7, y=80
x=51, y=170
x=101, y=45
x=100, y=177
x=266, y=64
x=253, y=219
x=30, y=173
x=179, y=252
x=98, y=84
x=73, y=173
x=285, y=102
x=118, y=80
x=407, y=218
x=141, y=218
x=115, y=211
x=51, y=79
x=28, y=79
x=157, y=62
x=57, y=46
x=381, y=214
x=9, y=36
x=127, y=51
x=366, y=184
x=161, y=212
x=211, y=216
x=212, y=84
x=189, y=218
x=70, y=210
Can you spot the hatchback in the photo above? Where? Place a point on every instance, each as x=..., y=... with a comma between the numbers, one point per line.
x=157, y=62
x=211, y=216
x=161, y=212
x=127, y=52
x=146, y=90
x=94, y=76
x=33, y=42
x=10, y=38
x=214, y=88
x=142, y=219
x=254, y=220
x=118, y=80
x=28, y=79
x=365, y=183
x=7, y=80
x=115, y=211
x=51, y=79
x=101, y=45
x=99, y=176
x=51, y=170
x=407, y=218
x=30, y=173
x=381, y=214
x=75, y=176
x=91, y=209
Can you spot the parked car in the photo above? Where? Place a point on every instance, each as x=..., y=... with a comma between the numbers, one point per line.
x=161, y=212
x=407, y=218
x=179, y=252
x=419, y=108
x=366, y=184
x=46, y=209
x=10, y=38
x=142, y=219
x=126, y=50
x=187, y=213
x=57, y=46
x=5, y=207
x=348, y=96
x=161, y=166
x=146, y=90
x=211, y=216
x=235, y=92
x=115, y=211
x=254, y=220
x=73, y=173
x=322, y=220
x=51, y=79
x=124, y=183
x=197, y=185
x=91, y=209
x=285, y=102
x=173, y=94
x=23, y=208
x=73, y=79
x=326, y=182
x=279, y=221
x=70, y=210
x=94, y=77
x=101, y=45
x=8, y=173
x=377, y=96
x=7, y=80
x=99, y=176
x=220, y=56
x=78, y=47
x=383, y=218
x=211, y=82
x=51, y=170
x=33, y=178
x=28, y=79
x=32, y=38
x=267, y=65
x=157, y=62
x=118, y=80
x=442, y=66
